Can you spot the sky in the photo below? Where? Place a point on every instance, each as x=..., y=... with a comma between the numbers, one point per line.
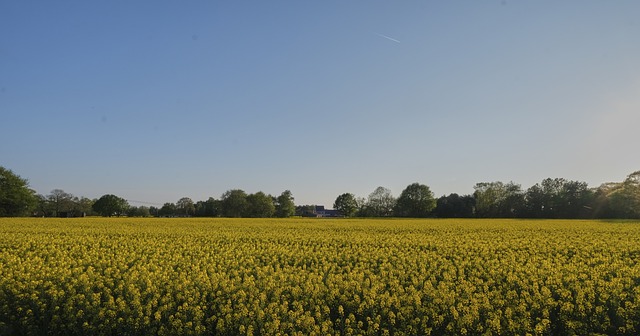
x=158, y=100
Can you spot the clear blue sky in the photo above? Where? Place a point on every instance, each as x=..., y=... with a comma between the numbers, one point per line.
x=156, y=100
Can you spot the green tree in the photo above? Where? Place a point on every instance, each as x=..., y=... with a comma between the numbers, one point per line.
x=305, y=210
x=168, y=209
x=60, y=201
x=497, y=199
x=346, y=204
x=362, y=211
x=16, y=198
x=577, y=198
x=82, y=205
x=455, y=206
x=208, y=208
x=43, y=207
x=260, y=205
x=285, y=207
x=380, y=203
x=110, y=205
x=141, y=211
x=558, y=198
x=623, y=199
x=234, y=203
x=185, y=206
x=154, y=211
x=415, y=201
x=535, y=202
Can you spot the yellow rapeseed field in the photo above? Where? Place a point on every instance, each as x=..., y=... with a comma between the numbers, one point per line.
x=124, y=276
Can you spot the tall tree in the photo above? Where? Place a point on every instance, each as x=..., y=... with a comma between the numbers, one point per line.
x=346, y=204
x=141, y=211
x=623, y=199
x=208, y=208
x=363, y=210
x=60, y=201
x=535, y=202
x=285, y=207
x=497, y=199
x=260, y=205
x=168, y=210
x=185, y=206
x=576, y=199
x=82, y=205
x=16, y=198
x=154, y=211
x=110, y=205
x=234, y=203
x=558, y=198
x=416, y=201
x=43, y=207
x=455, y=206
x=380, y=203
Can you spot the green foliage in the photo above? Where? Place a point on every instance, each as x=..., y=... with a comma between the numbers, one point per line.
x=168, y=210
x=455, y=206
x=260, y=205
x=16, y=198
x=185, y=207
x=497, y=199
x=415, y=201
x=309, y=277
x=305, y=210
x=208, y=208
x=622, y=200
x=558, y=198
x=140, y=211
x=60, y=201
x=346, y=204
x=285, y=207
x=110, y=205
x=380, y=203
x=234, y=203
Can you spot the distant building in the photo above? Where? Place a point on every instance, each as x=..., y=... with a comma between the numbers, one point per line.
x=320, y=211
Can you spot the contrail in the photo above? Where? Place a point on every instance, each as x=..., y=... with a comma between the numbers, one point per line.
x=388, y=38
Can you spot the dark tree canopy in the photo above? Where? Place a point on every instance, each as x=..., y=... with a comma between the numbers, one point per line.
x=168, y=210
x=497, y=199
x=415, y=201
x=111, y=205
x=558, y=198
x=260, y=205
x=285, y=207
x=139, y=211
x=208, y=208
x=60, y=201
x=16, y=198
x=234, y=203
x=185, y=207
x=305, y=210
x=346, y=204
x=551, y=198
x=380, y=203
x=455, y=206
x=620, y=200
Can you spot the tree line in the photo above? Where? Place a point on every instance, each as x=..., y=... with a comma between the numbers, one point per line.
x=233, y=203
x=551, y=198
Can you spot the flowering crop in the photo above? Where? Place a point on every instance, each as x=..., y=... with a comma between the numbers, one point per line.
x=318, y=277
